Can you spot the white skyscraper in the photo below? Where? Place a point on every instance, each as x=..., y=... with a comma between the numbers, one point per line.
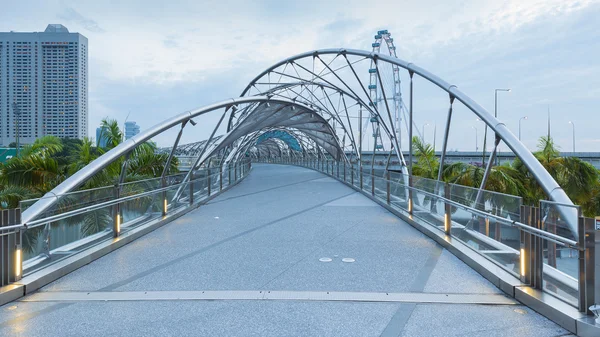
x=45, y=76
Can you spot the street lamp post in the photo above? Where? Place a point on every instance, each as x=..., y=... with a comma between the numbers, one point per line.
x=476, y=145
x=522, y=118
x=573, y=124
x=495, y=115
x=423, y=133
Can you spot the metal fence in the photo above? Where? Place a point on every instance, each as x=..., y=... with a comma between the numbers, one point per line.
x=534, y=244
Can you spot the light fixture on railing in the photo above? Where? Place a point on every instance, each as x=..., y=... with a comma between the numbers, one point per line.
x=18, y=263
x=118, y=225
x=522, y=258
x=165, y=206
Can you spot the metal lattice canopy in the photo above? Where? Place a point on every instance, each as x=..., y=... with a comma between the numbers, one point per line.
x=322, y=99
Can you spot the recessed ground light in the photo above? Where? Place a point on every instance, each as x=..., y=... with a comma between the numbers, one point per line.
x=348, y=260
x=325, y=259
x=12, y=307
x=520, y=311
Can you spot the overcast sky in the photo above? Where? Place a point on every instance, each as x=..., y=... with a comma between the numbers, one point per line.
x=154, y=59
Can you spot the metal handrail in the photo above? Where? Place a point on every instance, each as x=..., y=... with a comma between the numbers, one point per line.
x=532, y=230
x=39, y=222
x=57, y=217
x=526, y=228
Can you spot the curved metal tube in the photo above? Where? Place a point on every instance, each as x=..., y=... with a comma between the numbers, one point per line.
x=81, y=176
x=548, y=184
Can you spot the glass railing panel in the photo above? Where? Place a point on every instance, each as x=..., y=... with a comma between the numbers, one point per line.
x=399, y=194
x=495, y=239
x=561, y=267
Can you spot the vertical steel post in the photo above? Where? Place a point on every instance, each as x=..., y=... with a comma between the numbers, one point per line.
x=220, y=179
x=525, y=251
x=447, y=211
x=18, y=252
x=209, y=182
x=191, y=183
x=592, y=264
x=410, y=145
x=538, y=250
x=445, y=143
x=587, y=235
x=372, y=183
x=387, y=185
x=116, y=212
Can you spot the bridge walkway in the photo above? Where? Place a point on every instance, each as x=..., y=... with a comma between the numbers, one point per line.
x=266, y=258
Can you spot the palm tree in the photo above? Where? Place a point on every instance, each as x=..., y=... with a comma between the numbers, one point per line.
x=427, y=164
x=579, y=179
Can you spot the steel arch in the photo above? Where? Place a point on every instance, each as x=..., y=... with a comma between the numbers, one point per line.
x=546, y=181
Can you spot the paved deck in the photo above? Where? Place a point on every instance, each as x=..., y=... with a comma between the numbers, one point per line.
x=248, y=264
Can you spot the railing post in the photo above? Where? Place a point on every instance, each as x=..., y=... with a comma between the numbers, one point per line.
x=235, y=176
x=387, y=187
x=361, y=177
x=352, y=175
x=372, y=182
x=11, y=253
x=447, y=211
x=209, y=182
x=18, y=269
x=191, y=187
x=537, y=264
x=344, y=169
x=588, y=264
x=164, y=197
x=592, y=266
x=338, y=168
x=220, y=179
x=117, y=212
x=525, y=251
x=410, y=195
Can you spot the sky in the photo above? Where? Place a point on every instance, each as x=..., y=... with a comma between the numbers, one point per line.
x=154, y=59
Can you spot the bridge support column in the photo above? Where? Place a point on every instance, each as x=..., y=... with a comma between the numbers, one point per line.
x=447, y=211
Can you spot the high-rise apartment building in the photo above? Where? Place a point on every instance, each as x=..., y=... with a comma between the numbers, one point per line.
x=131, y=129
x=43, y=85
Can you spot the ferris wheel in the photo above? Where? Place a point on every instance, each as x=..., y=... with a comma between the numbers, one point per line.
x=390, y=80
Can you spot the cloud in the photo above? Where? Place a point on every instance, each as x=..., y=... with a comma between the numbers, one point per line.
x=72, y=15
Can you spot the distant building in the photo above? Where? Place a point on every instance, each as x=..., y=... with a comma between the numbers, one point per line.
x=46, y=75
x=100, y=140
x=131, y=129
